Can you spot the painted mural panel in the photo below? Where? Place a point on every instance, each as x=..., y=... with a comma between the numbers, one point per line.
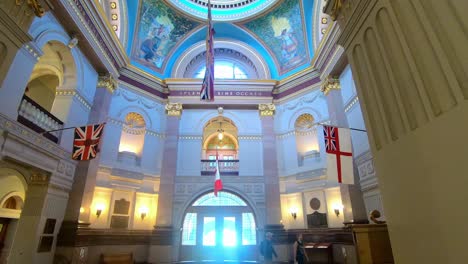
x=282, y=30
x=159, y=29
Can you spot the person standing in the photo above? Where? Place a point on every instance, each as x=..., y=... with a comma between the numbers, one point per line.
x=298, y=249
x=266, y=248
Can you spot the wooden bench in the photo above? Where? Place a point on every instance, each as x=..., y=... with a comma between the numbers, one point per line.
x=122, y=258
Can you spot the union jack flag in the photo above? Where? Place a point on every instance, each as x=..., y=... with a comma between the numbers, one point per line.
x=330, y=138
x=86, y=141
x=207, y=90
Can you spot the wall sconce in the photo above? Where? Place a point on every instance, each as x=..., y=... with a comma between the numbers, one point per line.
x=99, y=209
x=293, y=211
x=143, y=212
x=337, y=208
x=220, y=132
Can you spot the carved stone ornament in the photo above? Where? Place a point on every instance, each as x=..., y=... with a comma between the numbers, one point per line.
x=39, y=11
x=333, y=8
x=331, y=83
x=267, y=109
x=108, y=82
x=174, y=109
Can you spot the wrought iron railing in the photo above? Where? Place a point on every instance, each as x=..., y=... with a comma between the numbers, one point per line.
x=34, y=116
x=226, y=167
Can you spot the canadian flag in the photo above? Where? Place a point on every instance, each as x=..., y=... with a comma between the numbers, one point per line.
x=218, y=185
x=339, y=155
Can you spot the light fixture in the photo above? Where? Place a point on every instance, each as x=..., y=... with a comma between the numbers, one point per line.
x=337, y=208
x=220, y=132
x=82, y=210
x=143, y=212
x=293, y=211
x=99, y=209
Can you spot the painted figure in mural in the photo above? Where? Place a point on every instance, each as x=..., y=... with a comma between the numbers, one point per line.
x=288, y=44
x=157, y=40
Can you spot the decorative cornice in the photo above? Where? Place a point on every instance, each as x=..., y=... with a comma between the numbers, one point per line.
x=174, y=109
x=267, y=109
x=188, y=137
x=249, y=137
x=333, y=8
x=331, y=83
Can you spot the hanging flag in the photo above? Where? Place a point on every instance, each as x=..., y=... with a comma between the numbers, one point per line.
x=207, y=90
x=86, y=141
x=339, y=156
x=218, y=185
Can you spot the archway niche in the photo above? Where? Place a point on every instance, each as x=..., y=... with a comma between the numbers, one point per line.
x=220, y=142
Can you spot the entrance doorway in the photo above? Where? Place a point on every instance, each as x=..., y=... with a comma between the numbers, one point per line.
x=219, y=228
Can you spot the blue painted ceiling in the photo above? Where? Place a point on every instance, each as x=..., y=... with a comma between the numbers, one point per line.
x=196, y=31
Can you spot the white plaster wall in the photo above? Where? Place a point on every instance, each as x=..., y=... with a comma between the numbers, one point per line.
x=313, y=103
x=123, y=102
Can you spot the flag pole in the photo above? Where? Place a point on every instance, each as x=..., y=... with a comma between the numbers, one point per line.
x=61, y=129
x=355, y=129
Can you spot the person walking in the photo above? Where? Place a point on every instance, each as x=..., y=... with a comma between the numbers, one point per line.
x=266, y=248
x=298, y=250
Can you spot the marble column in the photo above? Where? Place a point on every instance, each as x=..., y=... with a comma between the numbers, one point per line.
x=169, y=167
x=86, y=171
x=409, y=60
x=270, y=168
x=354, y=209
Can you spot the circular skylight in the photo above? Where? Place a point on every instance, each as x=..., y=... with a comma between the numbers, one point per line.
x=223, y=10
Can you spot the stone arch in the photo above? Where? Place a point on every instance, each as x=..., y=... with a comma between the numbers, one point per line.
x=47, y=31
x=228, y=188
x=241, y=127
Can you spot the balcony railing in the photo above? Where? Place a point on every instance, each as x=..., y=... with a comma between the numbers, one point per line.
x=226, y=167
x=34, y=116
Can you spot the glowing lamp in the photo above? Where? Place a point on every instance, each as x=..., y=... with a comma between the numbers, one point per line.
x=143, y=212
x=99, y=209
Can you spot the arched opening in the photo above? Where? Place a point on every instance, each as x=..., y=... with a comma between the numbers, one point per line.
x=132, y=139
x=306, y=138
x=220, y=142
x=219, y=227
x=37, y=110
x=12, y=196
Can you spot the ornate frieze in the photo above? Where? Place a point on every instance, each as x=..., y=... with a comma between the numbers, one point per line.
x=75, y=94
x=174, y=109
x=331, y=83
x=267, y=109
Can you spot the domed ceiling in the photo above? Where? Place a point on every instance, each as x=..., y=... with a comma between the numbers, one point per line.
x=161, y=32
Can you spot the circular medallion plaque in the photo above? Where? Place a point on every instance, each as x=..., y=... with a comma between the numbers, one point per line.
x=314, y=204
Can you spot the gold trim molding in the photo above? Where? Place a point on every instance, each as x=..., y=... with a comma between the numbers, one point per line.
x=108, y=82
x=174, y=109
x=267, y=109
x=331, y=83
x=39, y=11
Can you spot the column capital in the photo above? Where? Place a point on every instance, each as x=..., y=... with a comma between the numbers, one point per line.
x=107, y=81
x=174, y=109
x=267, y=109
x=333, y=8
x=331, y=83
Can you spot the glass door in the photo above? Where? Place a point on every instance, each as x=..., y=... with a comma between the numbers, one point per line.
x=219, y=236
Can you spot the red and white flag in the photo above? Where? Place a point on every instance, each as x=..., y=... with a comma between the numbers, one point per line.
x=218, y=185
x=207, y=90
x=86, y=141
x=339, y=154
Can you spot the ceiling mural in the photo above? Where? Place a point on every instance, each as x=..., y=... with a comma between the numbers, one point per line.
x=282, y=30
x=158, y=30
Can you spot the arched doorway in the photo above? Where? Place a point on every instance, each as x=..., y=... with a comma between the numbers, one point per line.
x=219, y=227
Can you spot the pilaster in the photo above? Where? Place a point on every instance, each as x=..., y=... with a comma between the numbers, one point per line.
x=270, y=168
x=409, y=62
